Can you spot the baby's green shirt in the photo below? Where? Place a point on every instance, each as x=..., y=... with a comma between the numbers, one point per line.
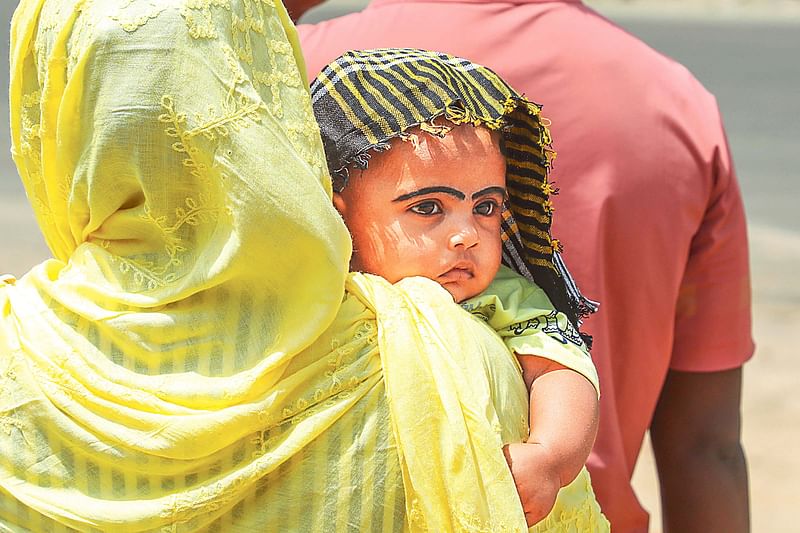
x=521, y=313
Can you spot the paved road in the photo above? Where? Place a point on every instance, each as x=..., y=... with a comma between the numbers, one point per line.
x=752, y=67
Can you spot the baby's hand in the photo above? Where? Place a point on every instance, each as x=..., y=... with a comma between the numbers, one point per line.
x=535, y=475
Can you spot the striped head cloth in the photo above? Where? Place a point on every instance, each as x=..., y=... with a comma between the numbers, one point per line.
x=367, y=97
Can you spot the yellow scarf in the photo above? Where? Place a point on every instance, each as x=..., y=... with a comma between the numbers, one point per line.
x=190, y=360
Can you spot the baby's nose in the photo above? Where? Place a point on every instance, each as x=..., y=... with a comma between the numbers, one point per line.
x=466, y=236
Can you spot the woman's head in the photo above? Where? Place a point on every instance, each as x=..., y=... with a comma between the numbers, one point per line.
x=137, y=138
x=430, y=206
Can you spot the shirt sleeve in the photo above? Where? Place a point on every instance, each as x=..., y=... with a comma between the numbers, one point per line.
x=522, y=314
x=712, y=319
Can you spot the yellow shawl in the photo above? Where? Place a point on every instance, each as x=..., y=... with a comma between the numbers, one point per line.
x=190, y=359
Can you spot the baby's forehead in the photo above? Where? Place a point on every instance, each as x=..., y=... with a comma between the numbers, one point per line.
x=465, y=158
x=425, y=145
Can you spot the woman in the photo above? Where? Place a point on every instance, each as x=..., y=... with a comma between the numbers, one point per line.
x=195, y=356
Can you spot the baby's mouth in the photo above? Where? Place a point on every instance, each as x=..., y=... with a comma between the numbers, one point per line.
x=459, y=272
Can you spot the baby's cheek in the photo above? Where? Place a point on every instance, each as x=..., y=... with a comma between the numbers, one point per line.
x=494, y=244
x=385, y=252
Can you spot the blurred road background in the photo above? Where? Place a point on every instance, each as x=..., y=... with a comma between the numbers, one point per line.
x=746, y=53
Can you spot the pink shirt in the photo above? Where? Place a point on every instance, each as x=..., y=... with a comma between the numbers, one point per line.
x=649, y=210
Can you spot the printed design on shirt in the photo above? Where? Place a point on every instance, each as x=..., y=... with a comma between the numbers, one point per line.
x=554, y=324
x=479, y=309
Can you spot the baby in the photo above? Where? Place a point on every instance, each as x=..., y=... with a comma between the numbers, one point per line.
x=431, y=203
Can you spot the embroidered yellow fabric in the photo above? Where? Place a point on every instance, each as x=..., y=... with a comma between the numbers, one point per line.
x=190, y=360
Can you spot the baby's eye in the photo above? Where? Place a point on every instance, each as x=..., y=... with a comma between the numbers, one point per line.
x=426, y=208
x=486, y=208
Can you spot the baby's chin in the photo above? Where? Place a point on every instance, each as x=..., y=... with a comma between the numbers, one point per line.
x=461, y=293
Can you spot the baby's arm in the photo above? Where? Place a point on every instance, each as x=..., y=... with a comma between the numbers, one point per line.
x=563, y=420
x=562, y=384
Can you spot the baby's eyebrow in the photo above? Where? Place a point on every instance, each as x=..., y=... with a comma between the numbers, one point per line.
x=490, y=190
x=429, y=190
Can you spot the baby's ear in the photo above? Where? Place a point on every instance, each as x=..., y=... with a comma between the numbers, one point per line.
x=339, y=203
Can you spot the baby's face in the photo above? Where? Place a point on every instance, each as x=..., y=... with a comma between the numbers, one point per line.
x=430, y=208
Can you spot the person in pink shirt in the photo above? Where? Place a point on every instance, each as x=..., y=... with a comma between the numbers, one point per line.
x=650, y=206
